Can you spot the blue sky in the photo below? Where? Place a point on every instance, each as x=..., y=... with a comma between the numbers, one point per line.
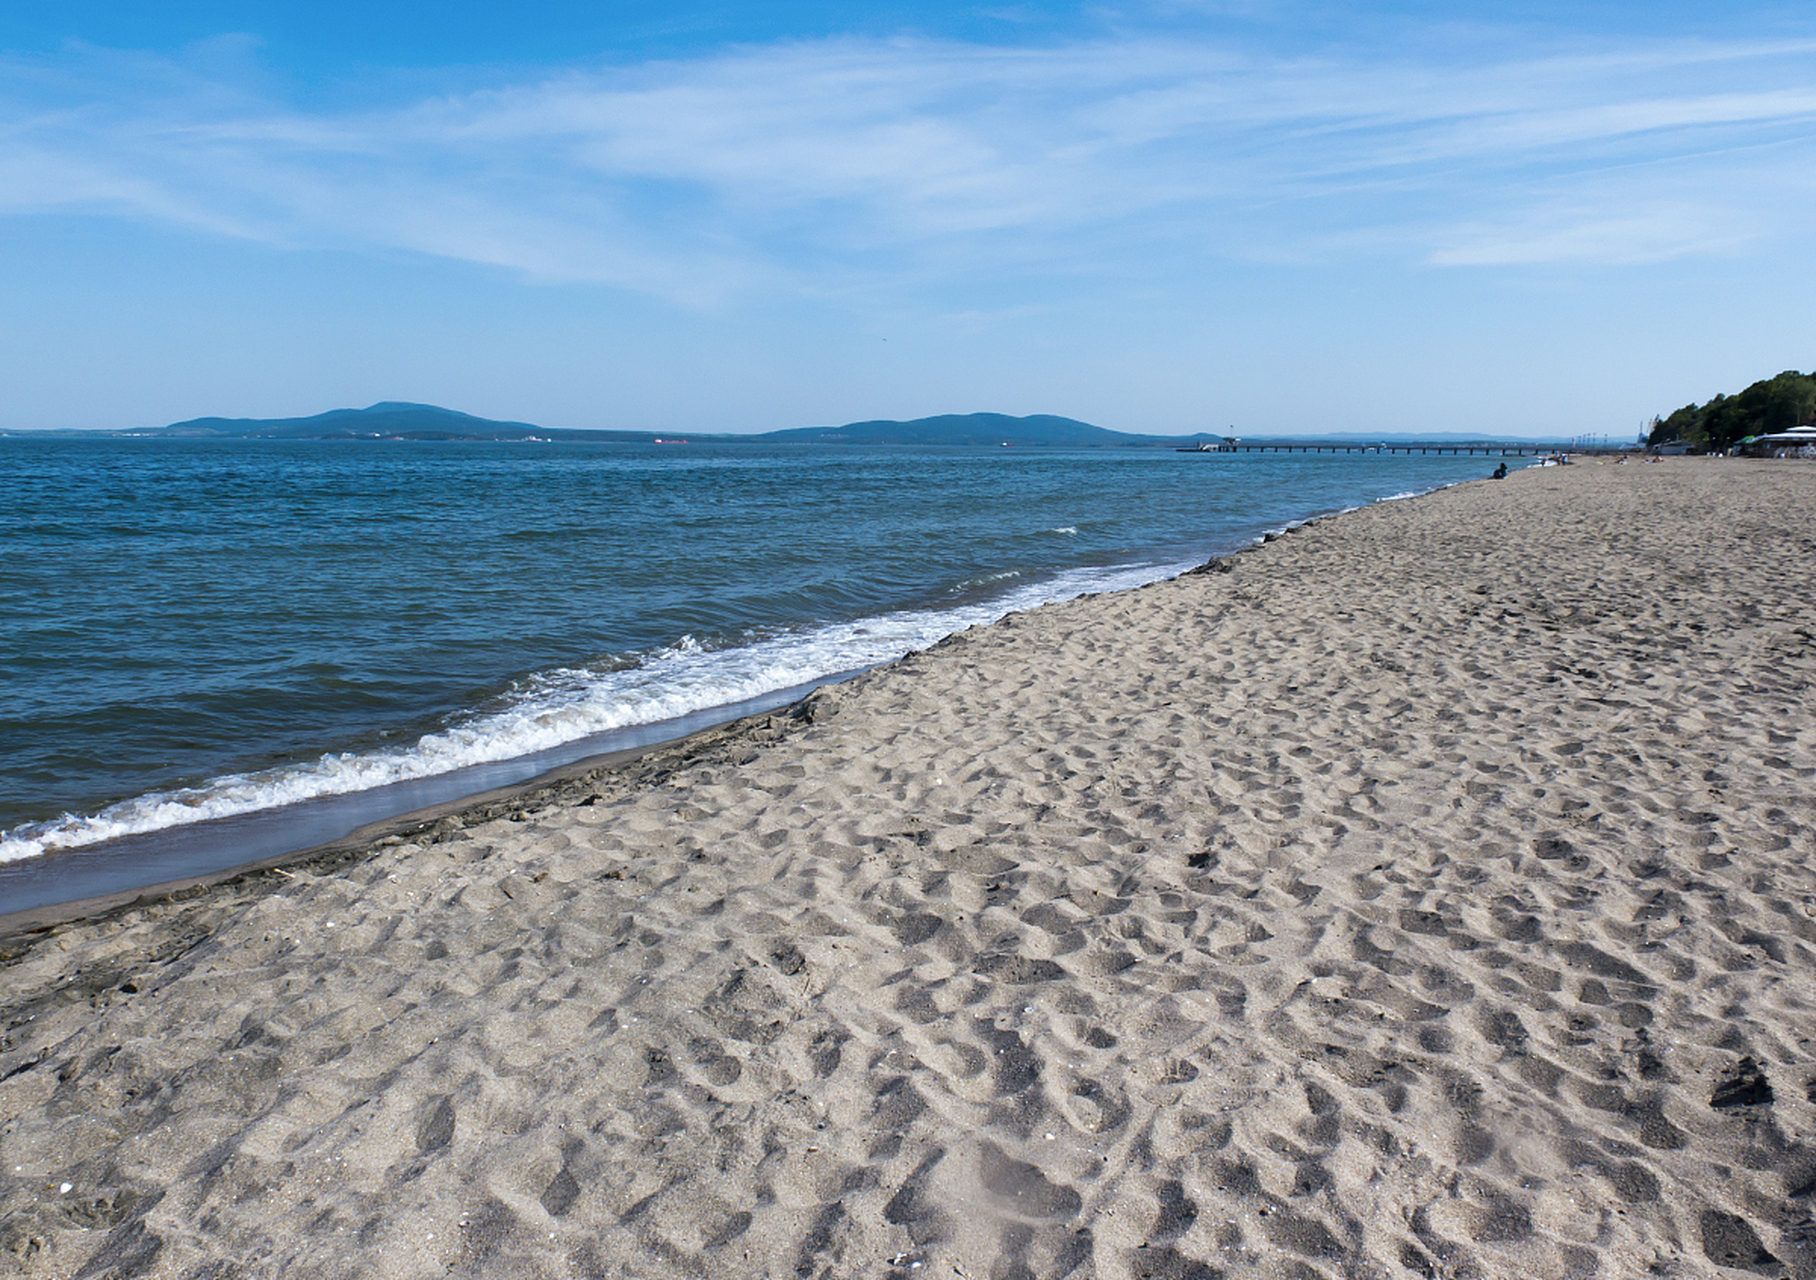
x=1524, y=218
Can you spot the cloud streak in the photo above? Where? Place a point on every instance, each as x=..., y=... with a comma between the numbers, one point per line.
x=820, y=166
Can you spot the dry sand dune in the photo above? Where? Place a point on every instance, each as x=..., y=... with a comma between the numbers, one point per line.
x=1429, y=892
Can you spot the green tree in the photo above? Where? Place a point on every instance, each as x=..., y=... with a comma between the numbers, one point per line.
x=1771, y=404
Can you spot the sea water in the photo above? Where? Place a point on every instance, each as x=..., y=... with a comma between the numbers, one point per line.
x=213, y=651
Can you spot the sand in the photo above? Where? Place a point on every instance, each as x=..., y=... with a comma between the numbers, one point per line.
x=1428, y=892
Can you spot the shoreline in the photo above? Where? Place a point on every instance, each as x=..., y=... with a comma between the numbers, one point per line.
x=553, y=785
x=216, y=835
x=260, y=828
x=367, y=837
x=1431, y=888
x=313, y=785
x=362, y=842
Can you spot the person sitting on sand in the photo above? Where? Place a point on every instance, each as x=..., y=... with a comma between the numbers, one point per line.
x=1500, y=472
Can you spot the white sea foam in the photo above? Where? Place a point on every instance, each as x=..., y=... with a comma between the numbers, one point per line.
x=986, y=580
x=561, y=706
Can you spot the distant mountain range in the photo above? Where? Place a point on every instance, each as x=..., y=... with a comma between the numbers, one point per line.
x=398, y=420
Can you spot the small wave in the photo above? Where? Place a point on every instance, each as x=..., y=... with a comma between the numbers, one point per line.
x=1069, y=529
x=984, y=581
x=566, y=704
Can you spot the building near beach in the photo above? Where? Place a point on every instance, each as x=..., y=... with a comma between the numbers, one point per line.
x=1798, y=442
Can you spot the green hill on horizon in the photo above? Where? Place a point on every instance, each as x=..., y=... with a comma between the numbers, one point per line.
x=388, y=419
x=400, y=420
x=987, y=429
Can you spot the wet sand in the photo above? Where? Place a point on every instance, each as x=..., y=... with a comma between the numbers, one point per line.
x=1429, y=892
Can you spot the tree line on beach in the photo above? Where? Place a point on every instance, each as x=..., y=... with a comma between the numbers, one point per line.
x=1771, y=404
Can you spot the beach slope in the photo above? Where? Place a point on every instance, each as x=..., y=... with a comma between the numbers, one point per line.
x=1428, y=892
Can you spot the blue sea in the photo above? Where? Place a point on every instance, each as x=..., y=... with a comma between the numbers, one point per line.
x=214, y=651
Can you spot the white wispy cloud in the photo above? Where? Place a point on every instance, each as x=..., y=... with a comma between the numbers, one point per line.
x=809, y=164
x=1591, y=235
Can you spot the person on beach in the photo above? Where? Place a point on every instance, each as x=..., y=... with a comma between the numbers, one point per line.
x=1500, y=472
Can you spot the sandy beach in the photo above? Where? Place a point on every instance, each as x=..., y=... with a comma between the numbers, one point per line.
x=1428, y=892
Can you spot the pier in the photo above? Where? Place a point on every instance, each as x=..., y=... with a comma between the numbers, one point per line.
x=1489, y=449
